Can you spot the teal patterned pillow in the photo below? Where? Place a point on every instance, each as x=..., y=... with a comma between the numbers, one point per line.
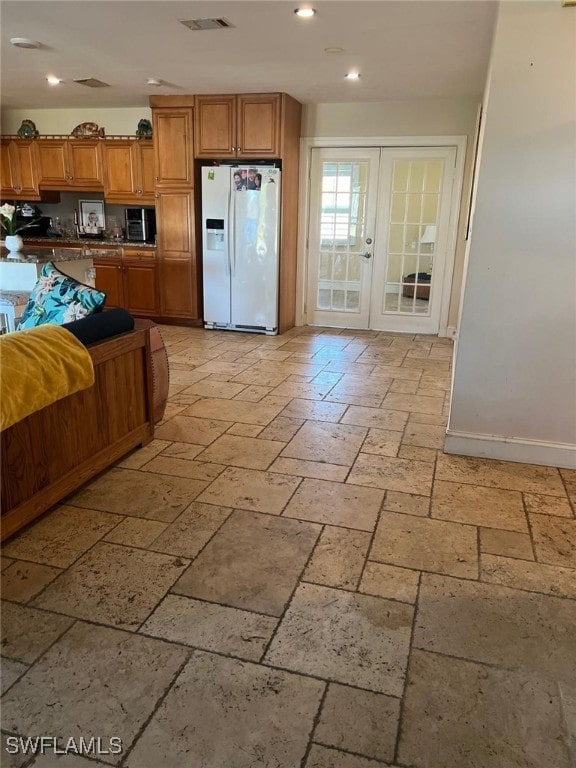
x=58, y=298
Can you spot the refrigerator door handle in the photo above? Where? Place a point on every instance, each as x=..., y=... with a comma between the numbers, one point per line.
x=233, y=255
x=229, y=232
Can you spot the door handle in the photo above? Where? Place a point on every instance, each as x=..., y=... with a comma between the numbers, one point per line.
x=367, y=255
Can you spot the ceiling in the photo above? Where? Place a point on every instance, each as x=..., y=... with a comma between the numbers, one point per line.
x=408, y=49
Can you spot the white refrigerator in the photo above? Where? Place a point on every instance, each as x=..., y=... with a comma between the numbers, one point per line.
x=240, y=247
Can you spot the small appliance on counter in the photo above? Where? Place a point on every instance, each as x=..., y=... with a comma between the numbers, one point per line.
x=141, y=224
x=29, y=216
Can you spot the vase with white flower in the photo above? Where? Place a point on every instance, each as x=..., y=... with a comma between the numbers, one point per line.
x=12, y=241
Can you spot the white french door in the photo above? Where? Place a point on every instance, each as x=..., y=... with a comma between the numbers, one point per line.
x=378, y=237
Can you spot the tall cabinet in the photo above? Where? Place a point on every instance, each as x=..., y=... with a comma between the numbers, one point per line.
x=178, y=268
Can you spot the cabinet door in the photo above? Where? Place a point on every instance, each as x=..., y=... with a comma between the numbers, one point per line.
x=85, y=164
x=259, y=125
x=178, y=289
x=9, y=180
x=215, y=126
x=173, y=136
x=53, y=163
x=109, y=280
x=27, y=169
x=140, y=294
x=146, y=176
x=119, y=171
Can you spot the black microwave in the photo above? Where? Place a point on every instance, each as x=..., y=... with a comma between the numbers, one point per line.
x=141, y=224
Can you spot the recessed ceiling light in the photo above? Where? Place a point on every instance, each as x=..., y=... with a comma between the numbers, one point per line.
x=53, y=80
x=353, y=75
x=304, y=13
x=334, y=49
x=24, y=42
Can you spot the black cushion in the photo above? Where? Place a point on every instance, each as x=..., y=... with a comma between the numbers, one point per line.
x=101, y=325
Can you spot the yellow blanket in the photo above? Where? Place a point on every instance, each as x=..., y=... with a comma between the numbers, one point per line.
x=37, y=367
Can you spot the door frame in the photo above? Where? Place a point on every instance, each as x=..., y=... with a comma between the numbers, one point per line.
x=378, y=142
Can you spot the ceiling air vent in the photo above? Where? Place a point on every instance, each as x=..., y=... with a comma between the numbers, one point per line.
x=199, y=25
x=91, y=82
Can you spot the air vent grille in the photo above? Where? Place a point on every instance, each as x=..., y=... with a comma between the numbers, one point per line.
x=91, y=82
x=200, y=25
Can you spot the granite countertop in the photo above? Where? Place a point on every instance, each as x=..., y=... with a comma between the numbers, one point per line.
x=88, y=242
x=41, y=255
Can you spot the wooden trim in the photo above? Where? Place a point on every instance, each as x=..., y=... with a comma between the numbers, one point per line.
x=170, y=101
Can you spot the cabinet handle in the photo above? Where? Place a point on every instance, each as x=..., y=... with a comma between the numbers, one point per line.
x=157, y=195
x=157, y=178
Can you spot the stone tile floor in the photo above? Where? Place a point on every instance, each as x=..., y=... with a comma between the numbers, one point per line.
x=293, y=574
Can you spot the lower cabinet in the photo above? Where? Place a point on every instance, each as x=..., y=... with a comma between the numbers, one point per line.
x=130, y=282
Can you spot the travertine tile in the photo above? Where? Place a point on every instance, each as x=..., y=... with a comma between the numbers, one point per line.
x=193, y=470
x=569, y=479
x=10, y=671
x=402, y=386
x=249, y=489
x=187, y=429
x=359, y=721
x=226, y=712
x=416, y=453
x=528, y=478
x=407, y=503
x=233, y=411
x=187, y=451
x=113, y=585
x=554, y=540
x=427, y=545
x=171, y=410
x=497, y=625
x=427, y=418
x=392, y=474
x=458, y=713
x=325, y=442
x=211, y=627
x=325, y=757
x=249, y=452
x=390, y=581
x=344, y=637
x=475, y=505
x=375, y=417
x=27, y=633
x=506, y=543
x=253, y=393
x=261, y=378
x=22, y=580
x=245, y=430
x=318, y=469
x=314, y=410
x=382, y=442
x=125, y=674
x=413, y=403
x=281, y=428
x=211, y=388
x=60, y=537
x=253, y=563
x=424, y=435
x=5, y=562
x=135, y=532
x=535, y=577
x=142, y=456
x=72, y=760
x=189, y=533
x=547, y=505
x=140, y=494
x=306, y=391
x=336, y=504
x=338, y=558
x=359, y=390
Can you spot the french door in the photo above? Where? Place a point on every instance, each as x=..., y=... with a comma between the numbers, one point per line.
x=378, y=237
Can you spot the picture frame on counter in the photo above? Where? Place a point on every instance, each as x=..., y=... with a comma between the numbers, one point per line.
x=92, y=219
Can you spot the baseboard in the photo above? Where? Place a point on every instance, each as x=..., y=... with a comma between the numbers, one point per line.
x=511, y=449
x=452, y=332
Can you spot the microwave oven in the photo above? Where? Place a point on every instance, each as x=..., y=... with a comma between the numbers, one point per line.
x=141, y=224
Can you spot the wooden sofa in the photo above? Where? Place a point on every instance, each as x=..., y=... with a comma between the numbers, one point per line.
x=54, y=451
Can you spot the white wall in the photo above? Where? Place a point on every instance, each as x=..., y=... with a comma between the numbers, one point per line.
x=424, y=117
x=514, y=390
x=63, y=121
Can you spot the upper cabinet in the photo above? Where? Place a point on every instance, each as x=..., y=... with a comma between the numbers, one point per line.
x=19, y=170
x=246, y=125
x=128, y=171
x=66, y=163
x=174, y=156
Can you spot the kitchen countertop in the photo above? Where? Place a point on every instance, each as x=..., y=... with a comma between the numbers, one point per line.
x=88, y=242
x=41, y=255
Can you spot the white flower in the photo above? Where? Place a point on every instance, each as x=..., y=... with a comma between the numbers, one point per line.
x=74, y=311
x=45, y=284
x=7, y=211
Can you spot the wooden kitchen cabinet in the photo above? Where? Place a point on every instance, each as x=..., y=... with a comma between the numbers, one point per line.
x=130, y=281
x=173, y=146
x=19, y=169
x=240, y=126
x=110, y=280
x=128, y=171
x=75, y=163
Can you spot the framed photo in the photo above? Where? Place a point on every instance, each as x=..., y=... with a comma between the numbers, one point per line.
x=92, y=218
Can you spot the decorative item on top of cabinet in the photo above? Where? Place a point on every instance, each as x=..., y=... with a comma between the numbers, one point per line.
x=27, y=130
x=144, y=130
x=88, y=131
x=245, y=125
x=19, y=169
